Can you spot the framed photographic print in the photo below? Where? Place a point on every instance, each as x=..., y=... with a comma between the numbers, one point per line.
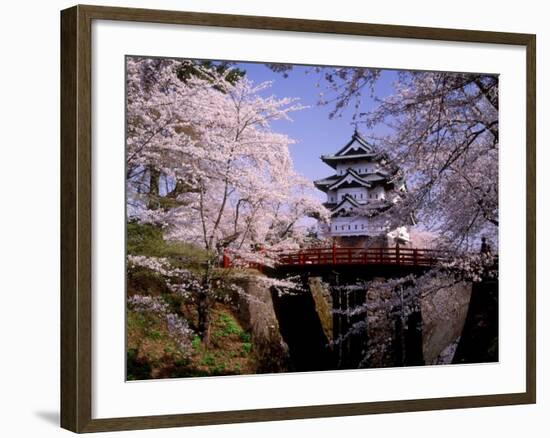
x=268, y=218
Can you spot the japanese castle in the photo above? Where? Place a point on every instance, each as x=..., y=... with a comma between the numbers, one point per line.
x=365, y=183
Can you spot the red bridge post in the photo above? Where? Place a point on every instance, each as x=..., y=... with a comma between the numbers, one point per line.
x=225, y=261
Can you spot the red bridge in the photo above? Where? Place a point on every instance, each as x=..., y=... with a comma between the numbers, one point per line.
x=362, y=256
x=395, y=256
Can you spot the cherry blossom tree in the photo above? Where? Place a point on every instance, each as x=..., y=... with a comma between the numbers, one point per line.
x=204, y=164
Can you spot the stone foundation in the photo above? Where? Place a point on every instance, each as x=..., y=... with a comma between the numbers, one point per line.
x=256, y=314
x=443, y=316
x=390, y=336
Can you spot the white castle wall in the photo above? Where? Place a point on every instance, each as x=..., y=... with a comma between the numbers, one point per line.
x=361, y=167
x=355, y=226
x=360, y=194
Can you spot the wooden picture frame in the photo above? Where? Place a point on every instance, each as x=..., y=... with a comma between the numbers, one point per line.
x=76, y=218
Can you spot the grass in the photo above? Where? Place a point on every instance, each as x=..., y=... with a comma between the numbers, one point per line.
x=246, y=348
x=147, y=239
x=145, y=282
x=151, y=352
x=228, y=326
x=229, y=349
x=196, y=343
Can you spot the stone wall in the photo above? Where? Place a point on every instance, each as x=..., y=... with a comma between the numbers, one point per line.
x=256, y=313
x=321, y=294
x=443, y=316
x=314, y=324
x=391, y=337
x=479, y=340
x=381, y=331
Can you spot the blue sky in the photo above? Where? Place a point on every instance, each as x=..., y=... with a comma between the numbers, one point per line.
x=315, y=134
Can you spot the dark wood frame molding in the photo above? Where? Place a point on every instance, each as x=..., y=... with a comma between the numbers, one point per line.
x=76, y=243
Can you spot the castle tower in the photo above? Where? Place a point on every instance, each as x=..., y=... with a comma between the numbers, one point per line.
x=365, y=183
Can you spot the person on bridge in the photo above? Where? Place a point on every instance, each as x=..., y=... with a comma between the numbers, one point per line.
x=485, y=247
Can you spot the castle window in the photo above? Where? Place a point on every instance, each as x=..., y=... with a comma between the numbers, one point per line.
x=355, y=226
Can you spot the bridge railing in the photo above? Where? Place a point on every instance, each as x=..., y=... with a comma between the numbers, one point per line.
x=400, y=256
x=362, y=256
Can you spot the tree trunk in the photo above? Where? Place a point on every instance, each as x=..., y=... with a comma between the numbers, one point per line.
x=204, y=303
x=154, y=192
x=203, y=314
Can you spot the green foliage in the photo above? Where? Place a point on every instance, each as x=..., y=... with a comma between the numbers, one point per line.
x=151, y=352
x=208, y=359
x=147, y=239
x=227, y=352
x=229, y=325
x=196, y=342
x=244, y=337
x=155, y=335
x=145, y=282
x=219, y=370
x=147, y=329
x=174, y=302
x=143, y=239
x=135, y=321
x=247, y=348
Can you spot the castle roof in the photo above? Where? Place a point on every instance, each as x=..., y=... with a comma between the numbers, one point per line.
x=322, y=184
x=356, y=149
x=346, y=201
x=352, y=179
x=357, y=143
x=349, y=201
